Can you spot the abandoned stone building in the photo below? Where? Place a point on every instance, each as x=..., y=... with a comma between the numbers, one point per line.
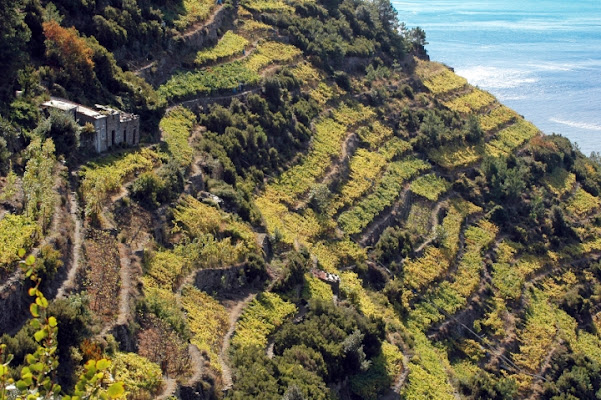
x=111, y=127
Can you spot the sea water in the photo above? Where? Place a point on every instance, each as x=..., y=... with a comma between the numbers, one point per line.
x=540, y=57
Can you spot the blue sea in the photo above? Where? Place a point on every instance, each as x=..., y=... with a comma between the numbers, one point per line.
x=540, y=57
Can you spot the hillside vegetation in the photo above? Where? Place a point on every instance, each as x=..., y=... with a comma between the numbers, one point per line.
x=316, y=211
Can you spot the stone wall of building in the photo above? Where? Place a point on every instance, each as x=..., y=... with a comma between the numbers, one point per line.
x=130, y=131
x=113, y=128
x=99, y=125
x=101, y=135
x=114, y=135
x=87, y=141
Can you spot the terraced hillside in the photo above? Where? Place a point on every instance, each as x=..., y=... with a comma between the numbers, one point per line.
x=326, y=215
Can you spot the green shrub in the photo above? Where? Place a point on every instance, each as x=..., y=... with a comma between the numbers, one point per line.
x=176, y=127
x=430, y=186
x=38, y=181
x=141, y=378
x=48, y=262
x=392, y=244
x=62, y=129
x=229, y=45
x=148, y=188
x=109, y=31
x=262, y=316
x=16, y=232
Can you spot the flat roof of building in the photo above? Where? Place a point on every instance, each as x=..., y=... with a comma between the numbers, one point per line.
x=103, y=111
x=67, y=105
x=125, y=117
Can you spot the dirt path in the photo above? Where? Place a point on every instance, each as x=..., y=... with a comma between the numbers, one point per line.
x=121, y=194
x=197, y=363
x=270, y=346
x=188, y=280
x=223, y=355
x=125, y=274
x=200, y=25
x=196, y=357
x=192, y=178
x=348, y=149
x=472, y=301
x=398, y=385
x=169, y=388
x=466, y=312
x=433, y=223
x=144, y=67
x=248, y=51
x=394, y=392
x=509, y=337
x=209, y=99
x=192, y=30
x=562, y=265
x=76, y=250
x=170, y=385
x=546, y=363
x=215, y=99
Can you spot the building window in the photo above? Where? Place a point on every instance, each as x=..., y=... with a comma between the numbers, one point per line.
x=125, y=136
x=113, y=139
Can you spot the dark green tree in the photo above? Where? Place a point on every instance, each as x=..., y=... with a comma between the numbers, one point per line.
x=513, y=184
x=62, y=129
x=393, y=244
x=272, y=90
x=319, y=197
x=560, y=226
x=417, y=38
x=14, y=34
x=387, y=14
x=432, y=128
x=11, y=135
x=147, y=188
x=473, y=131
x=4, y=156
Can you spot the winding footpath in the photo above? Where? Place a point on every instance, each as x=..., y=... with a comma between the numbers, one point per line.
x=75, y=251
x=433, y=223
x=125, y=273
x=223, y=354
x=169, y=388
x=394, y=392
x=164, y=62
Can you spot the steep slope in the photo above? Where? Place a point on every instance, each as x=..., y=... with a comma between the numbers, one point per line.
x=327, y=214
